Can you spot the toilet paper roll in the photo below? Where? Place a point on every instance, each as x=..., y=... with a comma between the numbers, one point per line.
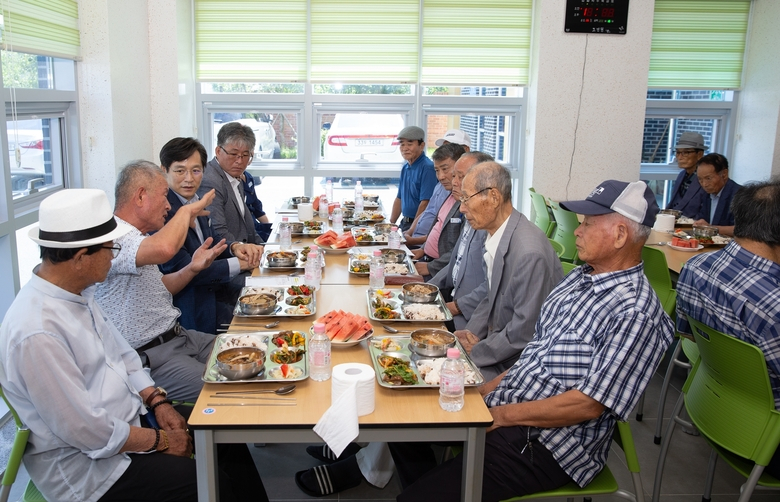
x=664, y=223
x=348, y=374
x=305, y=211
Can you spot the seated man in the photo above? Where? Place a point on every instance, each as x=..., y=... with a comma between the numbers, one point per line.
x=600, y=337
x=737, y=290
x=255, y=205
x=231, y=219
x=521, y=270
x=136, y=296
x=687, y=194
x=715, y=209
x=207, y=301
x=78, y=385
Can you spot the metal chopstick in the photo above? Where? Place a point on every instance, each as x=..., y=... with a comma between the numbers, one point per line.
x=251, y=404
x=266, y=398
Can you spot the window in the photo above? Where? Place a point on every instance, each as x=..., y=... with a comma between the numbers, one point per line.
x=36, y=155
x=276, y=134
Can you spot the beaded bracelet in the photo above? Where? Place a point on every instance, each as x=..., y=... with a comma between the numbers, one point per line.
x=158, y=403
x=156, y=441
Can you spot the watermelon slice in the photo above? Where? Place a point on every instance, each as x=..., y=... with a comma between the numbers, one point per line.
x=326, y=239
x=345, y=240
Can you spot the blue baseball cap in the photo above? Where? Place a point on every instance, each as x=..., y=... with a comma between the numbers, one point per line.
x=633, y=200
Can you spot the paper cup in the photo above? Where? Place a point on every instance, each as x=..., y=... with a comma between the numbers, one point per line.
x=664, y=223
x=305, y=211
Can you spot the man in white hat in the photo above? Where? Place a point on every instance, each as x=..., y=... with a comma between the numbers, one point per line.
x=74, y=380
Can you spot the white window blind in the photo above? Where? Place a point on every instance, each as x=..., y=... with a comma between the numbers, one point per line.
x=698, y=44
x=43, y=27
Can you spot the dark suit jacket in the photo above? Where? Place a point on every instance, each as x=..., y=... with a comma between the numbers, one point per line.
x=450, y=232
x=691, y=202
x=225, y=215
x=723, y=215
x=198, y=300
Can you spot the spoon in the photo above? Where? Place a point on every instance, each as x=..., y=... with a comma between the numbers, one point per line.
x=393, y=330
x=298, y=241
x=281, y=391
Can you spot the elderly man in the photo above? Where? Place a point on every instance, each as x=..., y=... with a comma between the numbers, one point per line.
x=737, y=290
x=230, y=217
x=207, y=301
x=418, y=178
x=715, y=210
x=443, y=160
x=600, y=337
x=436, y=250
x=521, y=269
x=687, y=194
x=78, y=385
x=137, y=297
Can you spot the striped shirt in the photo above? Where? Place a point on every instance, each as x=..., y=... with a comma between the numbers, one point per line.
x=602, y=335
x=736, y=292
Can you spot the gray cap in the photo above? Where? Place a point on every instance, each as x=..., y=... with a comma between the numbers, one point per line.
x=412, y=132
x=690, y=139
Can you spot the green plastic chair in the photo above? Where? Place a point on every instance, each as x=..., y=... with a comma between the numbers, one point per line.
x=566, y=223
x=687, y=347
x=604, y=483
x=31, y=493
x=729, y=398
x=568, y=266
x=542, y=215
x=558, y=247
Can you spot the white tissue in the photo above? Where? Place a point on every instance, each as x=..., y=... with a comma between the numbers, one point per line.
x=352, y=395
x=664, y=223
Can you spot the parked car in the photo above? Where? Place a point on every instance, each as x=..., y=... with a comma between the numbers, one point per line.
x=28, y=165
x=369, y=137
x=266, y=146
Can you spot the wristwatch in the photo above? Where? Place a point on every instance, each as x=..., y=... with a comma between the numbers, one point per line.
x=158, y=391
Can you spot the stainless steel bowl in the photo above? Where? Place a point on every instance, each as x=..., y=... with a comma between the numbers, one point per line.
x=673, y=212
x=296, y=227
x=257, y=304
x=431, y=342
x=704, y=234
x=393, y=255
x=371, y=197
x=412, y=296
x=282, y=259
x=300, y=200
x=239, y=363
x=383, y=228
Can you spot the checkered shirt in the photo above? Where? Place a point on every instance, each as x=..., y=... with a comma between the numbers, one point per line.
x=738, y=293
x=602, y=335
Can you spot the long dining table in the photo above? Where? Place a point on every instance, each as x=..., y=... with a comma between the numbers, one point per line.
x=675, y=259
x=399, y=414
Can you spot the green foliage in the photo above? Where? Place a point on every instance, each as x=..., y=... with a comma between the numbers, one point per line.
x=255, y=88
x=289, y=153
x=436, y=91
x=361, y=89
x=20, y=70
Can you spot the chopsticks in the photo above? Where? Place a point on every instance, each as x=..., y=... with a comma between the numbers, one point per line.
x=250, y=404
x=254, y=397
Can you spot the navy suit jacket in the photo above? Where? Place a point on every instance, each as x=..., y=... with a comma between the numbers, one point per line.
x=723, y=215
x=198, y=300
x=691, y=202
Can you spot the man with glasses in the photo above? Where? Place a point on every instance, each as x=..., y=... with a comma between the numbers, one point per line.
x=687, y=194
x=231, y=219
x=521, y=270
x=715, y=210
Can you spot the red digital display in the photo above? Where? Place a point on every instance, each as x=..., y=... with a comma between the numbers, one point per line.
x=598, y=12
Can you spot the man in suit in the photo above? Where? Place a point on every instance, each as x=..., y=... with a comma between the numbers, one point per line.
x=231, y=219
x=687, y=194
x=207, y=301
x=522, y=269
x=715, y=210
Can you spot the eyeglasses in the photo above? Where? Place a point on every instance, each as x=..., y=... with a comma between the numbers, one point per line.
x=115, y=249
x=238, y=156
x=181, y=173
x=681, y=153
x=463, y=200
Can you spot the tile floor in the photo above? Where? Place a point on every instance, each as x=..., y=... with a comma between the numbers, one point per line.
x=683, y=476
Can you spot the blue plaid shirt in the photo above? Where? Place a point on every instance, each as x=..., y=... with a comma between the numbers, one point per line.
x=602, y=335
x=738, y=293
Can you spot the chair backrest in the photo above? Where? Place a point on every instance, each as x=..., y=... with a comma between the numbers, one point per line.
x=657, y=272
x=542, y=216
x=558, y=247
x=729, y=398
x=568, y=266
x=565, y=224
x=17, y=451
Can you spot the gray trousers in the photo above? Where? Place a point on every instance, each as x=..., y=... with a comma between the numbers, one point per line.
x=178, y=365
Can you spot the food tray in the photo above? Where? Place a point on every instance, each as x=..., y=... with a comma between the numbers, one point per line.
x=408, y=263
x=226, y=340
x=378, y=238
x=312, y=232
x=281, y=307
x=395, y=299
x=350, y=204
x=299, y=263
x=403, y=342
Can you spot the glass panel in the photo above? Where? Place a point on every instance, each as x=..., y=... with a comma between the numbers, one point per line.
x=251, y=88
x=344, y=189
x=662, y=188
x=510, y=92
x=28, y=254
x=337, y=88
x=276, y=134
x=661, y=135
x=360, y=137
x=692, y=95
x=27, y=71
x=35, y=153
x=488, y=133
x=275, y=191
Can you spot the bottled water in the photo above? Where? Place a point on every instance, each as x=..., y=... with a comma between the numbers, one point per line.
x=329, y=190
x=319, y=354
x=338, y=220
x=313, y=271
x=324, y=207
x=285, y=235
x=376, y=273
x=358, y=197
x=394, y=239
x=451, y=386
x=320, y=259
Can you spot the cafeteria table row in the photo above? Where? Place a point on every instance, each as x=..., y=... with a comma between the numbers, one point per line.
x=399, y=415
x=675, y=259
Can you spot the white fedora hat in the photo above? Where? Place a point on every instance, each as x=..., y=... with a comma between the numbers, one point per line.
x=76, y=218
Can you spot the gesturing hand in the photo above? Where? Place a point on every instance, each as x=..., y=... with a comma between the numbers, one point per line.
x=204, y=255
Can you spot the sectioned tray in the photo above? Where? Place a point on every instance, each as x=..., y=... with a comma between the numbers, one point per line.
x=271, y=372
x=395, y=300
x=283, y=298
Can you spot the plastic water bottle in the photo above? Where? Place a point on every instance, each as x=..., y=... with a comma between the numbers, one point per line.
x=320, y=259
x=376, y=273
x=319, y=354
x=312, y=271
x=359, y=197
x=329, y=190
x=285, y=235
x=338, y=220
x=452, y=382
x=324, y=207
x=394, y=239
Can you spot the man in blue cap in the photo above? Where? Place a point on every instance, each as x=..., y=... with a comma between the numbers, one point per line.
x=418, y=178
